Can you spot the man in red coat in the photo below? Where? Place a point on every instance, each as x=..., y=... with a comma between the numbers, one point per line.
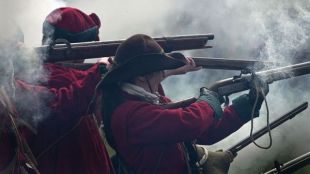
x=148, y=137
x=63, y=137
x=54, y=132
x=48, y=144
x=68, y=141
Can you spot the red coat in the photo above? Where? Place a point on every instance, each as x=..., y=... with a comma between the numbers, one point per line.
x=60, y=76
x=68, y=140
x=143, y=132
x=79, y=147
x=11, y=158
x=8, y=147
x=7, y=150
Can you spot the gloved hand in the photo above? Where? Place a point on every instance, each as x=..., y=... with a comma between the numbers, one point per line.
x=218, y=162
x=212, y=99
x=245, y=103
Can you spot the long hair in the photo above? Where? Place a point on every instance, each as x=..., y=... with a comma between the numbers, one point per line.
x=111, y=99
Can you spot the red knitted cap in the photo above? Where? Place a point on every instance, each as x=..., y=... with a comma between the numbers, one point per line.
x=72, y=19
x=71, y=24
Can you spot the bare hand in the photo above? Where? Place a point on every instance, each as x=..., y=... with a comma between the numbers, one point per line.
x=188, y=67
x=218, y=162
x=107, y=61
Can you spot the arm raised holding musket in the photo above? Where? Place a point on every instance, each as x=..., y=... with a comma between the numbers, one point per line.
x=202, y=62
x=243, y=82
x=61, y=50
x=247, y=105
x=137, y=122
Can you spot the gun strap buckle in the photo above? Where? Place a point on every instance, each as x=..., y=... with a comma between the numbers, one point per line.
x=51, y=46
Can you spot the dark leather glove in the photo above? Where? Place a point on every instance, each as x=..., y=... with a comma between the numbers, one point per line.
x=218, y=162
x=244, y=104
x=212, y=99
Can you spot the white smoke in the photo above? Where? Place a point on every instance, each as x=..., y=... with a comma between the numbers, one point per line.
x=20, y=29
x=273, y=31
x=121, y=19
x=30, y=16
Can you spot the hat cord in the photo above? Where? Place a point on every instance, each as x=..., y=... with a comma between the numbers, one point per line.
x=149, y=84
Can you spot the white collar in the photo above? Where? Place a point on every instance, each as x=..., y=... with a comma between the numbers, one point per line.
x=140, y=92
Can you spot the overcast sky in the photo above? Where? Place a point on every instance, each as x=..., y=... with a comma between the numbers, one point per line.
x=260, y=29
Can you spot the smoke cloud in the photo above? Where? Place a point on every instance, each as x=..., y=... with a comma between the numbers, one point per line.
x=273, y=31
x=18, y=59
x=264, y=30
x=29, y=15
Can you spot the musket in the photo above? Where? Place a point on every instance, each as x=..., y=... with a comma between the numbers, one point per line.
x=232, y=64
x=291, y=166
x=291, y=114
x=242, y=82
x=62, y=50
x=208, y=63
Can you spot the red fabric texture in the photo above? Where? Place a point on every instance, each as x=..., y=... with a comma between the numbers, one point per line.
x=72, y=19
x=82, y=151
x=76, y=145
x=144, y=133
x=7, y=150
x=60, y=76
x=8, y=145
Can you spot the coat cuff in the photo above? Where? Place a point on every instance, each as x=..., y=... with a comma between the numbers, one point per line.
x=214, y=103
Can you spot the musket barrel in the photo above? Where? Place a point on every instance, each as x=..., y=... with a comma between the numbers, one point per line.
x=187, y=42
x=229, y=86
x=236, y=84
x=292, y=165
x=232, y=64
x=234, y=149
x=86, y=50
x=208, y=63
x=285, y=72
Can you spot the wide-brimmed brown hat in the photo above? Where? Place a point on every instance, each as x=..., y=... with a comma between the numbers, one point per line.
x=140, y=55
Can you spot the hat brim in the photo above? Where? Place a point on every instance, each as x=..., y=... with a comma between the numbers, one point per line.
x=141, y=65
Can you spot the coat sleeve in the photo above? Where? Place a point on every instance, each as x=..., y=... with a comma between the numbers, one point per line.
x=220, y=129
x=74, y=98
x=69, y=100
x=6, y=149
x=147, y=123
x=60, y=76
